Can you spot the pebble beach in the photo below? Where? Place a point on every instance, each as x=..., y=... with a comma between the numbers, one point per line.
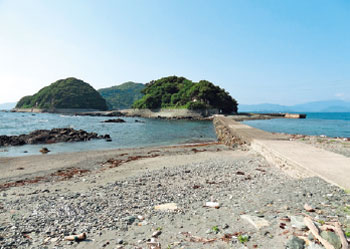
x=195, y=196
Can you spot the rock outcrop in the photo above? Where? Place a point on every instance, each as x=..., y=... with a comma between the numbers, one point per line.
x=117, y=120
x=56, y=135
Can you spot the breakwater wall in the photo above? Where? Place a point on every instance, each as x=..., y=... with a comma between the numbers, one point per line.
x=233, y=133
x=226, y=135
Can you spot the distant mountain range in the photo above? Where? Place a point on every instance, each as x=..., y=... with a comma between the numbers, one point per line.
x=7, y=106
x=317, y=106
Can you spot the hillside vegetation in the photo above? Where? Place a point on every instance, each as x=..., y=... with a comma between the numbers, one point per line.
x=179, y=92
x=122, y=96
x=64, y=94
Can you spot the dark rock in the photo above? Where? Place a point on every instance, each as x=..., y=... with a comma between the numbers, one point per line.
x=130, y=219
x=44, y=150
x=56, y=135
x=117, y=120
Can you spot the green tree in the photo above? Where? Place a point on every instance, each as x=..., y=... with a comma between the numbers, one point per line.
x=176, y=92
x=65, y=93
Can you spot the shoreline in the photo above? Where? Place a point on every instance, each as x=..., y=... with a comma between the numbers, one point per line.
x=172, y=114
x=112, y=196
x=21, y=167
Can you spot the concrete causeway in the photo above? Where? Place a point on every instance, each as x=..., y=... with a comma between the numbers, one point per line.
x=301, y=159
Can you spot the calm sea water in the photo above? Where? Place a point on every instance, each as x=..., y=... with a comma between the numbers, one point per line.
x=124, y=135
x=329, y=124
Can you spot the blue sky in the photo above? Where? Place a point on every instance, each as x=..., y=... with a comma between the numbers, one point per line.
x=283, y=52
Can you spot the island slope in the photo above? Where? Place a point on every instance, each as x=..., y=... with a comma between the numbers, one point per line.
x=122, y=96
x=179, y=92
x=70, y=93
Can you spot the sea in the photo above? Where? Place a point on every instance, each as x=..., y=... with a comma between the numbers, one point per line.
x=131, y=134
x=153, y=132
x=328, y=124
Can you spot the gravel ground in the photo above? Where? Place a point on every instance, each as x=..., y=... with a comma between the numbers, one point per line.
x=117, y=211
x=336, y=145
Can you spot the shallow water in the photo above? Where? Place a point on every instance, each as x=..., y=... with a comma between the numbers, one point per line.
x=328, y=124
x=124, y=135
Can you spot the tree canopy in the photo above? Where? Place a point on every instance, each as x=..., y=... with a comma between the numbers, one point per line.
x=179, y=92
x=122, y=96
x=64, y=94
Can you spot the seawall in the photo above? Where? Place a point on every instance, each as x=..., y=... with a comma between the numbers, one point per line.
x=231, y=132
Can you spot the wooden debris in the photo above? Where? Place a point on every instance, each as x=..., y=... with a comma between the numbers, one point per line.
x=198, y=239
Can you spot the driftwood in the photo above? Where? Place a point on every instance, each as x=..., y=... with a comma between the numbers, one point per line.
x=314, y=230
x=197, y=239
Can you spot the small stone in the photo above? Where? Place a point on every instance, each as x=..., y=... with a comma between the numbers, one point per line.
x=130, y=219
x=54, y=240
x=44, y=150
x=143, y=223
x=120, y=241
x=285, y=219
x=166, y=207
x=156, y=234
x=309, y=208
x=295, y=243
x=298, y=222
x=332, y=238
x=212, y=204
x=257, y=222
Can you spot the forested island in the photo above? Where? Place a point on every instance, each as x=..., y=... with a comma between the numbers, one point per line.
x=70, y=93
x=179, y=92
x=171, y=92
x=122, y=96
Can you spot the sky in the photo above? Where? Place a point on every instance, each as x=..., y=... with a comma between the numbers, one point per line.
x=261, y=51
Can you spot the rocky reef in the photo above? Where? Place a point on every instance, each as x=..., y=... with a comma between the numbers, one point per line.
x=56, y=135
